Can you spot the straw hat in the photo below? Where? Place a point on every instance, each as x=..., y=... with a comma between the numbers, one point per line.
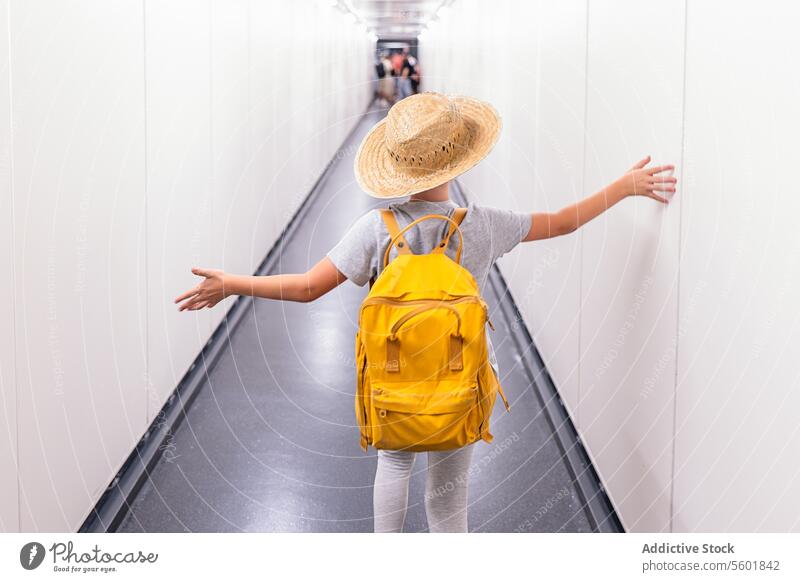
x=425, y=140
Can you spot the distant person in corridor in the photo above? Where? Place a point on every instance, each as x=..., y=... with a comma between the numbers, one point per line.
x=386, y=87
x=397, y=59
x=404, y=86
x=414, y=75
x=383, y=170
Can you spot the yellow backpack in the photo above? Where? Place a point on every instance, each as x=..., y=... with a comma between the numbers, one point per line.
x=424, y=381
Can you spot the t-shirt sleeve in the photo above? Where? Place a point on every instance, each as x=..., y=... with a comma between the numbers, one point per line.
x=507, y=228
x=354, y=253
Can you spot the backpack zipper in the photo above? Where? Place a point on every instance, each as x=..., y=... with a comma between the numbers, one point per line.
x=465, y=299
x=366, y=431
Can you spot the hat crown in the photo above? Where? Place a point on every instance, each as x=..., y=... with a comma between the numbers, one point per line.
x=424, y=131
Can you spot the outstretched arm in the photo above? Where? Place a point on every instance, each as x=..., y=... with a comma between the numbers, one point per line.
x=638, y=181
x=218, y=285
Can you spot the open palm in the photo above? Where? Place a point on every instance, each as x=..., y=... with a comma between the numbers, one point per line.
x=643, y=181
x=207, y=294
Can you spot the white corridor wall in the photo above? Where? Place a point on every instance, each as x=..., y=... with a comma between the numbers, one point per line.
x=669, y=330
x=139, y=139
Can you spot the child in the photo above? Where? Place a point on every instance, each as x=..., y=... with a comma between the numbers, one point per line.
x=425, y=141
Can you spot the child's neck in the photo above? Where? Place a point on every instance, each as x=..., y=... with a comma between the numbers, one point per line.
x=437, y=194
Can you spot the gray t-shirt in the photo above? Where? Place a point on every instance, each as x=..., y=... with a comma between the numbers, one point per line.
x=489, y=233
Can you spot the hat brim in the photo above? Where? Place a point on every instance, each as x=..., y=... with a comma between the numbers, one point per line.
x=379, y=175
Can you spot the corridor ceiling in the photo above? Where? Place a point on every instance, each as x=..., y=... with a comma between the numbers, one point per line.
x=395, y=18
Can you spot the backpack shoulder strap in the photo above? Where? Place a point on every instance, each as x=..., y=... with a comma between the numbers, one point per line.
x=458, y=216
x=394, y=229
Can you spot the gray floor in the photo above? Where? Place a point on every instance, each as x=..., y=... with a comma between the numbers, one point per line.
x=269, y=444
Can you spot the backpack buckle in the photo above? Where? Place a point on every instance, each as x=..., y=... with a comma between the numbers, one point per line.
x=392, y=354
x=456, y=361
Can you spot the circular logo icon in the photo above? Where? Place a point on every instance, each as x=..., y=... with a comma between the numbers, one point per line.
x=31, y=555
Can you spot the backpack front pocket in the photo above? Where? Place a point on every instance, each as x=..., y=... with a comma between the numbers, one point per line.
x=423, y=339
x=424, y=416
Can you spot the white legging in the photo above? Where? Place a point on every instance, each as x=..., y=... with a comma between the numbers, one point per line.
x=445, y=489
